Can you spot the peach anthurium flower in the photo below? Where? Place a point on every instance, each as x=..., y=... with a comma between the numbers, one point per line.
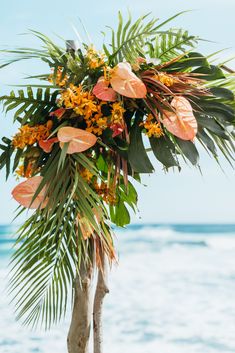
x=126, y=83
x=47, y=145
x=181, y=123
x=103, y=92
x=79, y=140
x=58, y=113
x=24, y=192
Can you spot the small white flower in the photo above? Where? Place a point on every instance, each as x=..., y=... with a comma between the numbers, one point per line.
x=154, y=61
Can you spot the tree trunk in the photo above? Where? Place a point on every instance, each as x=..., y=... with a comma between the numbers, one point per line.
x=101, y=291
x=79, y=332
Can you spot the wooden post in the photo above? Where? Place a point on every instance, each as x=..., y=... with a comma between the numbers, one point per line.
x=101, y=291
x=80, y=327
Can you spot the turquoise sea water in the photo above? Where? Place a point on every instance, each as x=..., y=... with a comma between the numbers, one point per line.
x=172, y=292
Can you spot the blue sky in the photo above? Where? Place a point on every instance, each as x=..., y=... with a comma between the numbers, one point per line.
x=175, y=197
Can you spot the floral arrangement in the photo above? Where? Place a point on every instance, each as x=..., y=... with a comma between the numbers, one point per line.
x=85, y=135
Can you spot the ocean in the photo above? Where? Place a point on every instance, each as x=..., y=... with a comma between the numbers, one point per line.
x=173, y=291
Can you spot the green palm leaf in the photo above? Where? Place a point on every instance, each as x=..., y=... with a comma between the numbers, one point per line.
x=50, y=246
x=31, y=105
x=130, y=39
x=171, y=44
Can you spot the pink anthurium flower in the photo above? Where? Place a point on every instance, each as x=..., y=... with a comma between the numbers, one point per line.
x=47, y=145
x=117, y=129
x=181, y=123
x=24, y=192
x=103, y=92
x=126, y=83
x=79, y=140
x=58, y=113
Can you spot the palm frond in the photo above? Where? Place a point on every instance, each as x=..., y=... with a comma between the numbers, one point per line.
x=171, y=44
x=31, y=105
x=130, y=39
x=50, y=53
x=55, y=56
x=51, y=245
x=6, y=155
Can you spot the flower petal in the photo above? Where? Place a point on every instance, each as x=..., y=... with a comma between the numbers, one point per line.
x=79, y=140
x=24, y=192
x=58, y=113
x=103, y=92
x=47, y=145
x=181, y=123
x=126, y=83
x=117, y=129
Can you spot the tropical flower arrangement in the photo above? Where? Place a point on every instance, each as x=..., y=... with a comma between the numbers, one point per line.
x=84, y=140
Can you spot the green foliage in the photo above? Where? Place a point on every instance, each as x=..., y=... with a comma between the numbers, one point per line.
x=53, y=55
x=127, y=196
x=210, y=73
x=171, y=44
x=32, y=106
x=6, y=155
x=188, y=150
x=119, y=214
x=137, y=154
x=189, y=61
x=164, y=151
x=51, y=246
x=131, y=39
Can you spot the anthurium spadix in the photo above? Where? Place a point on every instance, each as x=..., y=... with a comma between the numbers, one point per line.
x=181, y=122
x=24, y=193
x=78, y=140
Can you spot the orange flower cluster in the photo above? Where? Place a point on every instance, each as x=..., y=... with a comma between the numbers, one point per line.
x=153, y=128
x=85, y=104
x=28, y=135
x=82, y=102
x=108, y=194
x=86, y=175
x=97, y=123
x=26, y=172
x=59, y=79
x=95, y=58
x=117, y=113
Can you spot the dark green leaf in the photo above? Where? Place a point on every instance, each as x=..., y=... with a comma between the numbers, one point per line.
x=137, y=154
x=189, y=150
x=212, y=125
x=221, y=92
x=207, y=141
x=163, y=150
x=219, y=110
x=192, y=59
x=210, y=73
x=119, y=214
